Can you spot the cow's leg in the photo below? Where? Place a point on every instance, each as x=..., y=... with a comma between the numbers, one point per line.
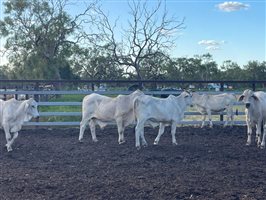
x=210, y=118
x=173, y=131
x=249, y=132
x=120, y=128
x=143, y=140
x=138, y=131
x=13, y=138
x=231, y=115
x=232, y=119
x=203, y=120
x=258, y=132
x=82, y=128
x=262, y=146
x=8, y=138
x=227, y=117
x=93, y=131
x=161, y=131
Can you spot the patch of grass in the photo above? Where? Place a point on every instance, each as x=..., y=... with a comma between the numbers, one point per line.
x=68, y=97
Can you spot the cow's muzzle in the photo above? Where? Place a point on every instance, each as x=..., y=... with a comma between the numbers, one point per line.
x=247, y=105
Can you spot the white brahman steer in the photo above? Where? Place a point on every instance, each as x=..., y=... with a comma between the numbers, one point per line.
x=13, y=114
x=154, y=111
x=255, y=103
x=98, y=109
x=208, y=104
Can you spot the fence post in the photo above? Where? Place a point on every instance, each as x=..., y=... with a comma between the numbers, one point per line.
x=16, y=95
x=36, y=96
x=27, y=95
x=222, y=89
x=5, y=93
x=254, y=86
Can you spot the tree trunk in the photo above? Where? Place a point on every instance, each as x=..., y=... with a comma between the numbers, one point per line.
x=139, y=77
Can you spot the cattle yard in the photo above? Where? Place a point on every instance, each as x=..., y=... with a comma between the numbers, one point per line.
x=49, y=162
x=206, y=164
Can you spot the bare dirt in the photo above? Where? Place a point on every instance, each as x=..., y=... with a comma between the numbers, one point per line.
x=207, y=164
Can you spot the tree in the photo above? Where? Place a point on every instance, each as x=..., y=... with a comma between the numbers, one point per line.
x=231, y=71
x=207, y=68
x=150, y=33
x=3, y=72
x=95, y=64
x=255, y=70
x=39, y=34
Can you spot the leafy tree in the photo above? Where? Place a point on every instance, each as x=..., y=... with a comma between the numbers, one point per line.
x=39, y=34
x=255, y=70
x=155, y=68
x=231, y=71
x=207, y=69
x=4, y=72
x=94, y=64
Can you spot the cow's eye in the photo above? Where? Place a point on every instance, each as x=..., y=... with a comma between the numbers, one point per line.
x=32, y=106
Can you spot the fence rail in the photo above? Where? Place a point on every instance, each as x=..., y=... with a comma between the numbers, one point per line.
x=10, y=87
x=78, y=104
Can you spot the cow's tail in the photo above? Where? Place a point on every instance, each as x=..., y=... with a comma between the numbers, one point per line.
x=135, y=104
x=234, y=102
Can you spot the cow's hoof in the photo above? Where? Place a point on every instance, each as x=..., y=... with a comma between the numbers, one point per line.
x=81, y=140
x=9, y=148
x=174, y=143
x=95, y=140
x=155, y=143
x=121, y=142
x=248, y=143
x=138, y=147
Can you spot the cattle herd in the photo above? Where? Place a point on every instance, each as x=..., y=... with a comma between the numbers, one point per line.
x=143, y=110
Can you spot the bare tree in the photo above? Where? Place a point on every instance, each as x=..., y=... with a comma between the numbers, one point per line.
x=150, y=31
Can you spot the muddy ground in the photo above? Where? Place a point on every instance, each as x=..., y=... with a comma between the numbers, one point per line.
x=207, y=164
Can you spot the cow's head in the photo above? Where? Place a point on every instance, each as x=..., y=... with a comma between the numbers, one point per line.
x=31, y=108
x=248, y=97
x=195, y=98
x=187, y=95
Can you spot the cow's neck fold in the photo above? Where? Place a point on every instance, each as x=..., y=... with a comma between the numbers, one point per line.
x=181, y=102
x=20, y=113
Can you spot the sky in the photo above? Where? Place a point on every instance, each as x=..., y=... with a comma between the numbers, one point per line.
x=228, y=30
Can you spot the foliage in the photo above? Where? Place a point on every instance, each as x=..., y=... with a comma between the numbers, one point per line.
x=95, y=64
x=38, y=35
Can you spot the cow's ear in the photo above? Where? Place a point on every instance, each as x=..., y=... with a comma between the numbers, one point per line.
x=241, y=98
x=255, y=97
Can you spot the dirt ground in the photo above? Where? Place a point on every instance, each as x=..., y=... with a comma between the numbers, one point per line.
x=207, y=164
